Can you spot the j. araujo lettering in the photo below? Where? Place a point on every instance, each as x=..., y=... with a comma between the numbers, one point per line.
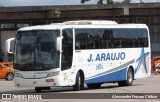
x=107, y=57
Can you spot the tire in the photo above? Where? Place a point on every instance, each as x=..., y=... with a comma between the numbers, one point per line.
x=129, y=80
x=9, y=76
x=94, y=86
x=79, y=85
x=38, y=89
x=121, y=83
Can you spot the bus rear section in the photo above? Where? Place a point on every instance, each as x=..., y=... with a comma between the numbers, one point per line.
x=113, y=54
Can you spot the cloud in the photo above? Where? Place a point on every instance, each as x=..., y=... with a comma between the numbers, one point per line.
x=56, y=2
x=40, y=2
x=25, y=2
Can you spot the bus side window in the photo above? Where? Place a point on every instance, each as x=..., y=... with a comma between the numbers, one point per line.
x=107, y=39
x=67, y=47
x=80, y=39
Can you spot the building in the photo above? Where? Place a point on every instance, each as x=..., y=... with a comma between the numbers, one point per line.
x=13, y=18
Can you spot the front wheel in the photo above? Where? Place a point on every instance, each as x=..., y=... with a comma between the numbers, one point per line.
x=79, y=83
x=129, y=80
x=39, y=89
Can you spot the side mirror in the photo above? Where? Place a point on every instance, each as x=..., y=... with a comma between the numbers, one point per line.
x=8, y=45
x=59, y=44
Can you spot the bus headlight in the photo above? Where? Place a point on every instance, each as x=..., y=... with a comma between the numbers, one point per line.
x=53, y=74
x=18, y=75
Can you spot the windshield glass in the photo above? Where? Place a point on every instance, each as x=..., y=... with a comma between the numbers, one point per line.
x=36, y=50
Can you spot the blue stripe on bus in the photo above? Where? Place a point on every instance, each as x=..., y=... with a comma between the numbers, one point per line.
x=114, y=76
x=142, y=60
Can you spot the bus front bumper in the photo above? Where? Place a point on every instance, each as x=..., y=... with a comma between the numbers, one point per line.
x=42, y=82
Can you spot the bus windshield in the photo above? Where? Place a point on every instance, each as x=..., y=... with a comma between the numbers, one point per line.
x=36, y=50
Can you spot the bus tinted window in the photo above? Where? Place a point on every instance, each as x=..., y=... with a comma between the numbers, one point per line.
x=81, y=41
x=67, y=47
x=110, y=38
x=88, y=39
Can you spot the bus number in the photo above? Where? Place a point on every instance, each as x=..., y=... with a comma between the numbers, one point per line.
x=99, y=67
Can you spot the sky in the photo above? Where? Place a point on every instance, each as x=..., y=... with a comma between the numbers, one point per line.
x=55, y=2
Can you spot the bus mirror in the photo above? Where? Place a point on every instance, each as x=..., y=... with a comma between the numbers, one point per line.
x=8, y=45
x=59, y=44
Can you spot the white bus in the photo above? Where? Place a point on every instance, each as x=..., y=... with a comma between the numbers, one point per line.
x=75, y=53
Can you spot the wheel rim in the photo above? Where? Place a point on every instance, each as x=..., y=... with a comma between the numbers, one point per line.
x=10, y=76
x=79, y=81
x=130, y=78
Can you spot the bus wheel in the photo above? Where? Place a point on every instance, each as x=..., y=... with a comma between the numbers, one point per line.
x=9, y=76
x=79, y=82
x=129, y=80
x=94, y=86
x=38, y=89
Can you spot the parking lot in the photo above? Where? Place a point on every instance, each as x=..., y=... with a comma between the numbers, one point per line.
x=141, y=86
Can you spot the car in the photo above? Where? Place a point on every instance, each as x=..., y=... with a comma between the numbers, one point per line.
x=6, y=71
x=154, y=61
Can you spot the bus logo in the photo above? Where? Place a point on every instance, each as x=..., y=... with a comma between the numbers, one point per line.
x=107, y=57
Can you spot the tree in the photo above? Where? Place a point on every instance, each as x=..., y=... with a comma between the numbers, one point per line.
x=126, y=2
x=83, y=1
x=100, y=2
x=108, y=2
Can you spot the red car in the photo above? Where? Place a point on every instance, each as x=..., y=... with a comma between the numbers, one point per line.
x=154, y=61
x=6, y=70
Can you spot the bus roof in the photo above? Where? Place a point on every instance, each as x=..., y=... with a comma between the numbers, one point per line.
x=90, y=22
x=83, y=24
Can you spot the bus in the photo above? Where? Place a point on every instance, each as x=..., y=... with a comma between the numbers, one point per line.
x=78, y=53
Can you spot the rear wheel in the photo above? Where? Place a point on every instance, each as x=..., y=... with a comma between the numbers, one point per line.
x=9, y=76
x=79, y=82
x=129, y=80
x=94, y=86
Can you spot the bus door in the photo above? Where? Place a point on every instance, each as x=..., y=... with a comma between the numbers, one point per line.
x=67, y=55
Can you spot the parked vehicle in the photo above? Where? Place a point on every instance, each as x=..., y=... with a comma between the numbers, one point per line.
x=154, y=61
x=75, y=53
x=6, y=70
